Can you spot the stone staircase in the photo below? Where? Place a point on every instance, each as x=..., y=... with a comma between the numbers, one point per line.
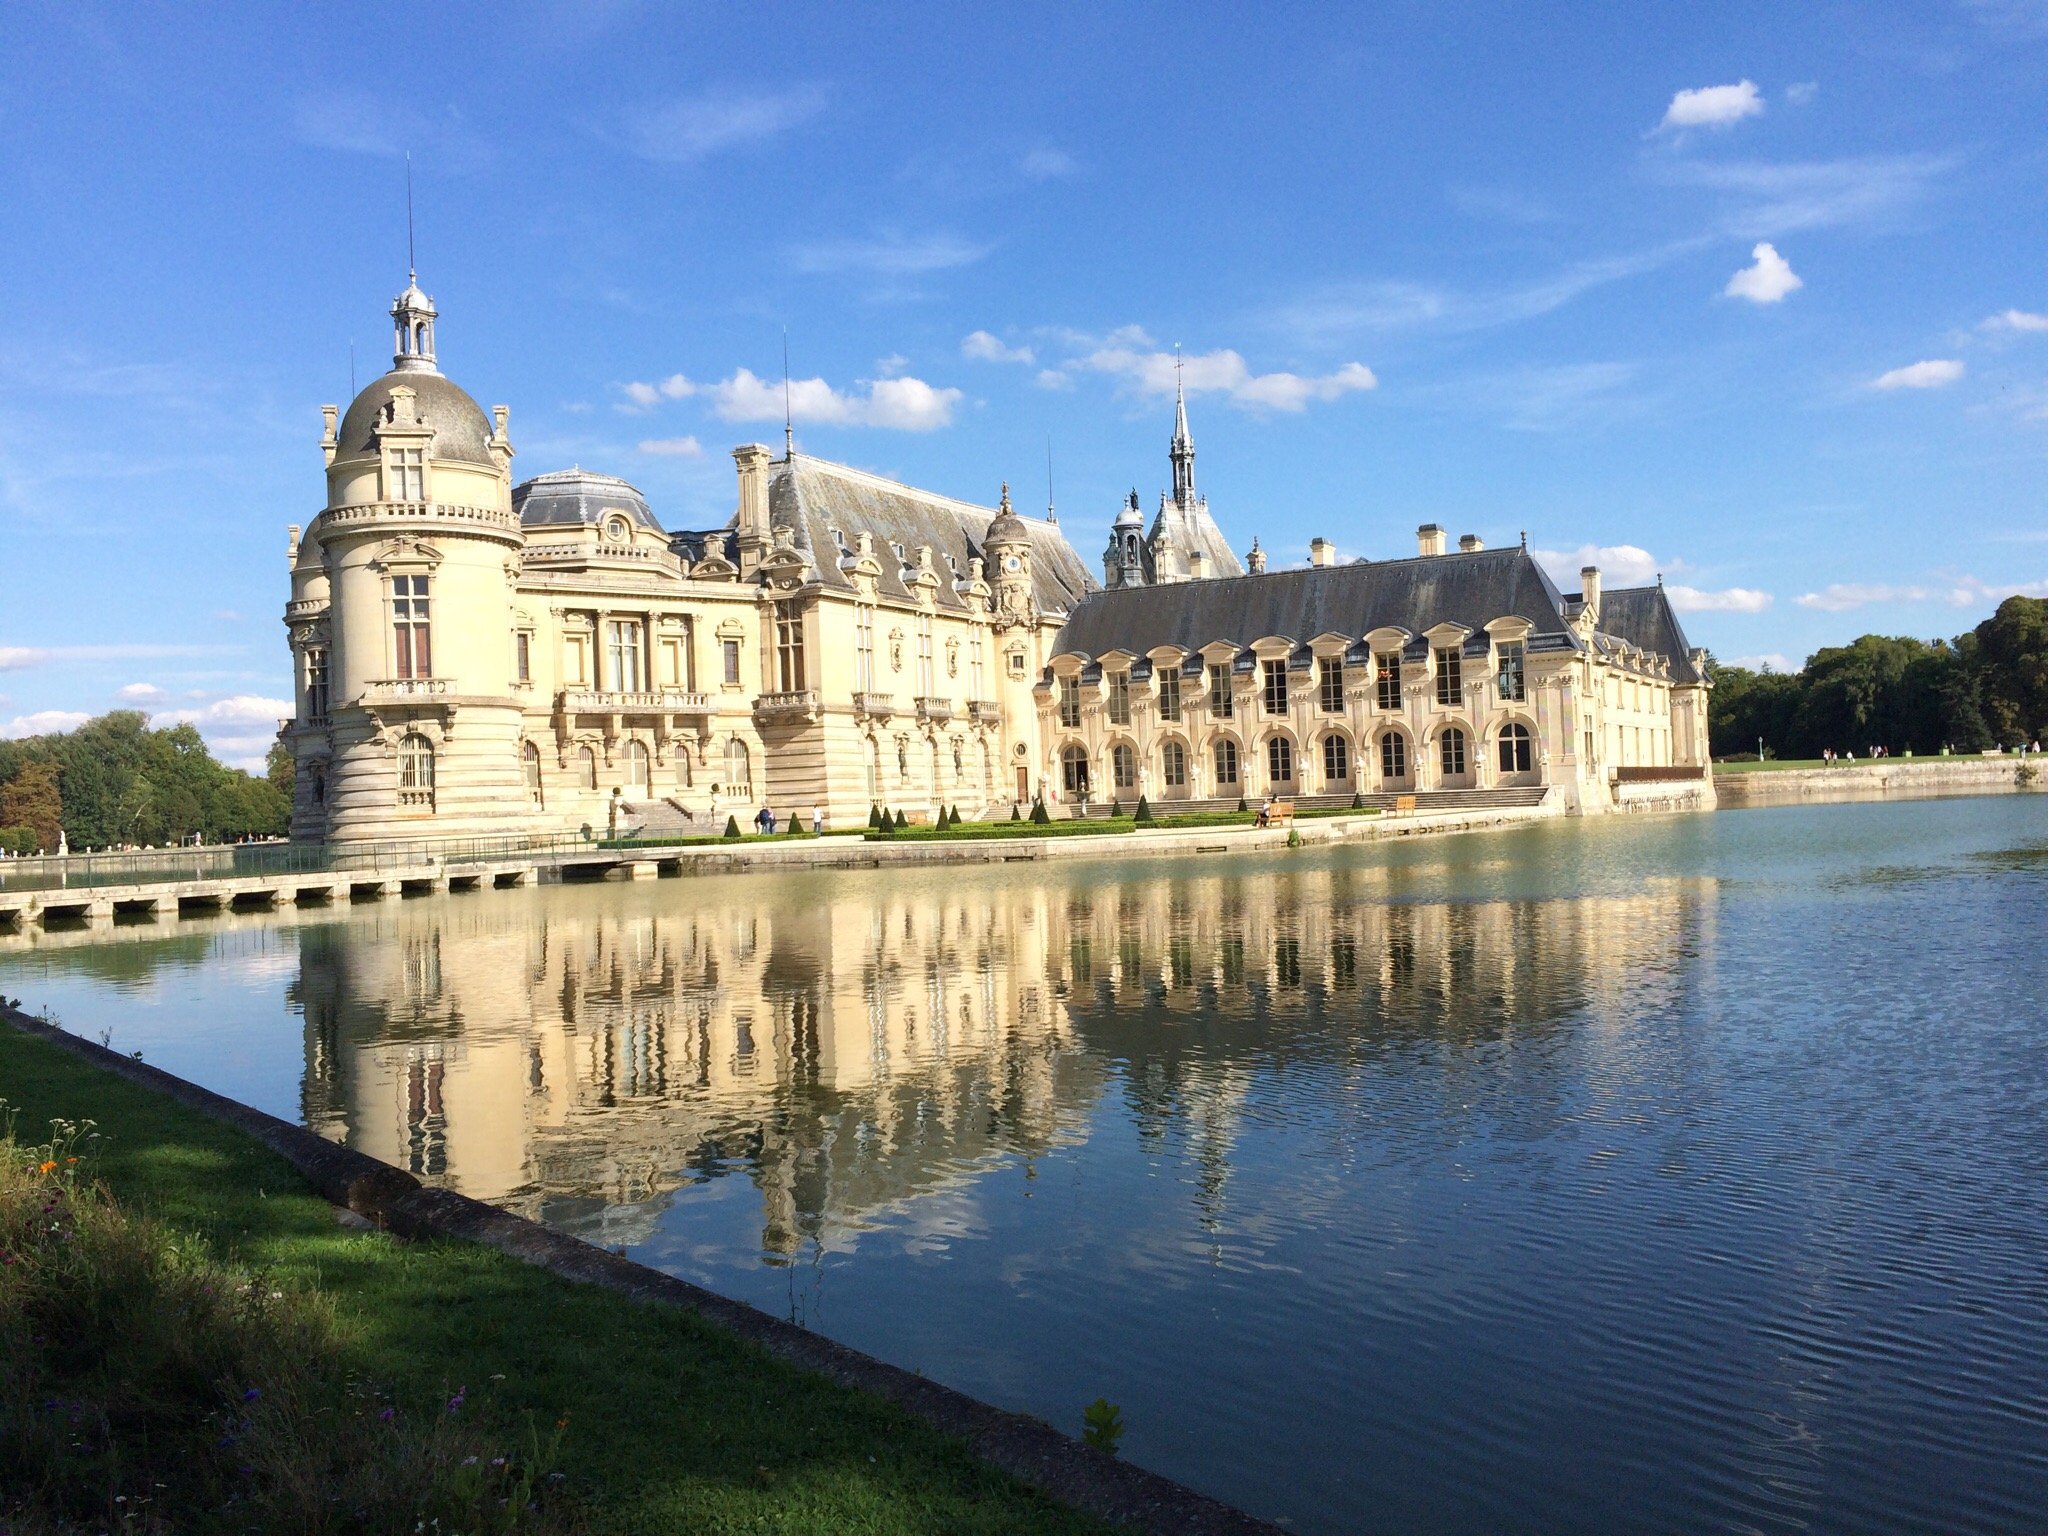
x=670, y=818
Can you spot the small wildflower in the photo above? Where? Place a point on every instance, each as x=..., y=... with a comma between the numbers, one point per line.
x=48, y=1167
x=387, y=1414
x=252, y=1394
x=497, y=1461
x=455, y=1402
x=469, y=1461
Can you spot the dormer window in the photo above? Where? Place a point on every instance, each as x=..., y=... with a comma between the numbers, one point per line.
x=405, y=474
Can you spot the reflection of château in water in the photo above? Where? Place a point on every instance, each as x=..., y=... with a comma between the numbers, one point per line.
x=584, y=1060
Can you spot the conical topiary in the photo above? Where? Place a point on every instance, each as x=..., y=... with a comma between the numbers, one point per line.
x=1357, y=801
x=1116, y=809
x=1016, y=811
x=1144, y=811
x=900, y=822
x=732, y=826
x=1241, y=805
x=874, y=816
x=796, y=823
x=1039, y=814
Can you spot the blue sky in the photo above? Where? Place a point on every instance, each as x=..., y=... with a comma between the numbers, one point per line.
x=1752, y=295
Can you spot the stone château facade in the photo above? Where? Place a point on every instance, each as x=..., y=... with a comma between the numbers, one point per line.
x=479, y=658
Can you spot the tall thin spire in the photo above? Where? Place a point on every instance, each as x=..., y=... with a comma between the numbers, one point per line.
x=1050, y=515
x=788, y=420
x=1182, y=450
x=412, y=271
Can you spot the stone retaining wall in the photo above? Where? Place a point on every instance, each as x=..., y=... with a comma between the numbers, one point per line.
x=1890, y=778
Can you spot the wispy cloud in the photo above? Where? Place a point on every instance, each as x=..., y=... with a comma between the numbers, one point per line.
x=1546, y=398
x=1712, y=106
x=686, y=132
x=1963, y=591
x=1630, y=565
x=899, y=404
x=2016, y=320
x=889, y=254
x=1766, y=280
x=1931, y=373
x=1225, y=372
x=1801, y=93
x=985, y=347
x=672, y=447
x=1767, y=198
x=141, y=693
x=1046, y=164
x=43, y=722
x=359, y=123
x=1768, y=661
x=19, y=657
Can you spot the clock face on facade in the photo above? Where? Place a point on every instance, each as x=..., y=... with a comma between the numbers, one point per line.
x=1013, y=563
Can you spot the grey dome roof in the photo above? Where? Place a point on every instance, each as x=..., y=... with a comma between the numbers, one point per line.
x=461, y=430
x=578, y=497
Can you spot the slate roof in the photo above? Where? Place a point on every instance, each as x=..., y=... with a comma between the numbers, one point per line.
x=1643, y=617
x=461, y=431
x=1182, y=530
x=1471, y=588
x=828, y=506
x=568, y=498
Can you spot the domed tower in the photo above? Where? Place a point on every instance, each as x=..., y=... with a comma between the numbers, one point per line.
x=1011, y=582
x=401, y=612
x=1123, y=563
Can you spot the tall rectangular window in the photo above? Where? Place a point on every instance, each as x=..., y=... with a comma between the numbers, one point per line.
x=1513, y=680
x=316, y=682
x=411, y=634
x=405, y=474
x=1331, y=684
x=1276, y=687
x=1219, y=692
x=1387, y=683
x=1120, y=698
x=1070, y=702
x=789, y=647
x=522, y=657
x=1169, y=692
x=863, y=648
x=1450, y=684
x=731, y=651
x=688, y=675
x=977, y=681
x=924, y=656
x=622, y=655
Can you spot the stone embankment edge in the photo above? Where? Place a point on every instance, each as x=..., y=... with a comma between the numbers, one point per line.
x=1887, y=779
x=1026, y=1448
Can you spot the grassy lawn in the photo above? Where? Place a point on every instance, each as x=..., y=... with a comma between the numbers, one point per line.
x=673, y=1426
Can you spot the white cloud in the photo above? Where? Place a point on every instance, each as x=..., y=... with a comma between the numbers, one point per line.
x=1775, y=197
x=1957, y=591
x=239, y=709
x=1767, y=661
x=2016, y=320
x=18, y=657
x=890, y=254
x=987, y=348
x=43, y=723
x=902, y=404
x=1630, y=565
x=1931, y=373
x=141, y=693
x=1047, y=164
x=1053, y=378
x=15, y=657
x=1224, y=372
x=1713, y=106
x=673, y=447
x=685, y=132
x=888, y=367
x=1766, y=280
x=1802, y=92
x=642, y=396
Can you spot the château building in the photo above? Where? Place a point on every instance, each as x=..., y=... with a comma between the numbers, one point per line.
x=479, y=657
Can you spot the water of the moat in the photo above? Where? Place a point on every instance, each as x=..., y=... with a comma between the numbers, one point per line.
x=1675, y=1174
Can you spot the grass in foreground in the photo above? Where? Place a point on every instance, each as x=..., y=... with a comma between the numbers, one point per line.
x=672, y=1425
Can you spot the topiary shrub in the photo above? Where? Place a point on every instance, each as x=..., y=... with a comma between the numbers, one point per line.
x=1241, y=805
x=1016, y=811
x=796, y=824
x=1115, y=809
x=874, y=816
x=732, y=826
x=956, y=817
x=1144, y=812
x=900, y=822
x=1039, y=815
x=1357, y=801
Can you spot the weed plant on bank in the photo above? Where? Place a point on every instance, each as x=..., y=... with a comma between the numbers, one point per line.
x=146, y=1387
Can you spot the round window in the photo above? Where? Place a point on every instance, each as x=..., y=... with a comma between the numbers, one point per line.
x=617, y=529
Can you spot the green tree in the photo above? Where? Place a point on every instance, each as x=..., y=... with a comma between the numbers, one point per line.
x=32, y=799
x=2012, y=658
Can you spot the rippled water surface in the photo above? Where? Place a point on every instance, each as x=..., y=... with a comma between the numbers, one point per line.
x=1676, y=1174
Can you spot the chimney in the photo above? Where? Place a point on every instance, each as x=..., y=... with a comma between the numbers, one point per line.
x=752, y=459
x=1589, y=588
x=328, y=441
x=1198, y=565
x=1429, y=540
x=1321, y=552
x=1469, y=542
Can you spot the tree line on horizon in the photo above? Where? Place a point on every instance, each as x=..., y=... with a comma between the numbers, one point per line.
x=1985, y=688
x=115, y=782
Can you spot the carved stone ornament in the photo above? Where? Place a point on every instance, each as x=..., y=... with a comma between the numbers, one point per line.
x=952, y=658
x=405, y=550
x=895, y=650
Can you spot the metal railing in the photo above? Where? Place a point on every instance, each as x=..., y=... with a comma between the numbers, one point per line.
x=159, y=866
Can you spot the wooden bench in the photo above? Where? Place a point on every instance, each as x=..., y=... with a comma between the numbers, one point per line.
x=1279, y=814
x=1403, y=804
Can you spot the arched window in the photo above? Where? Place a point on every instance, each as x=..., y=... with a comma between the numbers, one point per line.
x=586, y=767
x=1451, y=751
x=637, y=779
x=988, y=771
x=1516, y=750
x=739, y=773
x=529, y=763
x=1226, y=763
x=1123, y=763
x=1074, y=772
x=415, y=770
x=1336, y=759
x=1280, y=760
x=683, y=774
x=1173, y=759
x=1393, y=756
